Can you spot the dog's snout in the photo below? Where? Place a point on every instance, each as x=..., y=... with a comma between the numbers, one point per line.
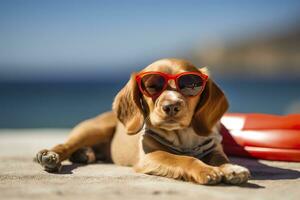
x=171, y=109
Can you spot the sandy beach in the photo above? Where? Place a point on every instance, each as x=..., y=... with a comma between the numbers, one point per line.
x=21, y=178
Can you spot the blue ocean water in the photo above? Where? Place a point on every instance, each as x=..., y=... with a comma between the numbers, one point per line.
x=64, y=104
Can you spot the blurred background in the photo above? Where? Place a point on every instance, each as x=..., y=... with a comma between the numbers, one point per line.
x=64, y=61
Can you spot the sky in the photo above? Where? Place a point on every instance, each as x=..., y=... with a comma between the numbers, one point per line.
x=58, y=39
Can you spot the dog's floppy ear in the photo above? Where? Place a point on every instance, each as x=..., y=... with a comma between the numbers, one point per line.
x=211, y=107
x=128, y=108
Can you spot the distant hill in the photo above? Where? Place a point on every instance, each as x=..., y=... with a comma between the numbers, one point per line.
x=275, y=54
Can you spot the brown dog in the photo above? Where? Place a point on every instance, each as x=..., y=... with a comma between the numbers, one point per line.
x=159, y=127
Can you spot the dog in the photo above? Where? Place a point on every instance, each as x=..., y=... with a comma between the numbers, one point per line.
x=165, y=122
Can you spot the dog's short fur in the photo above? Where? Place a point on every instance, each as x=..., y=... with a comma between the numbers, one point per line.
x=139, y=133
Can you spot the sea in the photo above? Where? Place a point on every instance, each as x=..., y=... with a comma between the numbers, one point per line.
x=64, y=104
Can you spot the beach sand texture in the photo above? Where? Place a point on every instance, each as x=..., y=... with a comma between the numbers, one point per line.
x=21, y=178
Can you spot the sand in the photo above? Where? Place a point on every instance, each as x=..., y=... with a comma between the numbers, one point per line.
x=21, y=178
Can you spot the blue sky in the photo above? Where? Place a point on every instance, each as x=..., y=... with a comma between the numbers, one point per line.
x=57, y=39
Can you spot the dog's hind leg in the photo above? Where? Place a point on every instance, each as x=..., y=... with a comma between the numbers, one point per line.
x=95, y=131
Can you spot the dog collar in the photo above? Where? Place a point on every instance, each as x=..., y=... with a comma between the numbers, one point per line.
x=199, y=151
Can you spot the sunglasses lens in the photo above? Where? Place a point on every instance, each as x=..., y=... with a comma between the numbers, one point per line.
x=190, y=84
x=153, y=83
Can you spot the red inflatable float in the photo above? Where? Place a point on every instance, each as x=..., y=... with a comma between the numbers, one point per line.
x=262, y=136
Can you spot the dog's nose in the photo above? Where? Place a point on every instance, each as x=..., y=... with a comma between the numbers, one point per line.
x=171, y=109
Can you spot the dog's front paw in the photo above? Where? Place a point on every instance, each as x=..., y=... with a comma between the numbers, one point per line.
x=49, y=160
x=235, y=174
x=207, y=175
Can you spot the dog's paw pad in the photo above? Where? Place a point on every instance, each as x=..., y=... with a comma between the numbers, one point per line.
x=49, y=160
x=235, y=174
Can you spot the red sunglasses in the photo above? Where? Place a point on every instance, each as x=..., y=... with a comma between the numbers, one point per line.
x=152, y=84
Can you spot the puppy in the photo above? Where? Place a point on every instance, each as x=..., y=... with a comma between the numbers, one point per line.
x=165, y=122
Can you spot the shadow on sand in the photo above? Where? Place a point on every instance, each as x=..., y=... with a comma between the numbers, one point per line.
x=68, y=168
x=261, y=171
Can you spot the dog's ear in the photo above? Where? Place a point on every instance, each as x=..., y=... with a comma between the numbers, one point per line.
x=211, y=107
x=128, y=108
